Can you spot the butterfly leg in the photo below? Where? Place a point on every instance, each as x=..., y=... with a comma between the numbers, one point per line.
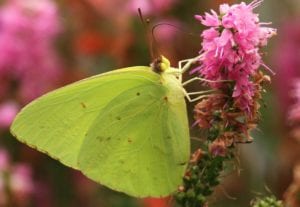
x=181, y=62
x=180, y=65
x=187, y=63
x=204, y=80
x=197, y=98
x=201, y=93
x=184, y=65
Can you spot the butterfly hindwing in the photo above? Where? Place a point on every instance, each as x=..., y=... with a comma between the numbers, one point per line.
x=131, y=148
x=139, y=143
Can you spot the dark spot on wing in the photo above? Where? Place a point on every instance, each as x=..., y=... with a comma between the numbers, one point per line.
x=166, y=99
x=99, y=138
x=118, y=118
x=83, y=105
x=138, y=93
x=129, y=140
x=168, y=137
x=108, y=138
x=183, y=163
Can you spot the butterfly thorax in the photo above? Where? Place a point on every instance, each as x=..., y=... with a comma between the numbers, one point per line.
x=170, y=78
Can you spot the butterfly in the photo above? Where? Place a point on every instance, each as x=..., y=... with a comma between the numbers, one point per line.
x=126, y=129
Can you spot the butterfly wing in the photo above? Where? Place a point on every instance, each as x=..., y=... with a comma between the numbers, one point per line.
x=139, y=143
x=57, y=122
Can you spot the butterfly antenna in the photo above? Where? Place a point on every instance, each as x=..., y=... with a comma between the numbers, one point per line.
x=145, y=24
x=155, y=27
x=174, y=26
x=170, y=25
x=147, y=32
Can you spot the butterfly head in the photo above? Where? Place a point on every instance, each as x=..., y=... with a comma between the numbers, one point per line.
x=160, y=64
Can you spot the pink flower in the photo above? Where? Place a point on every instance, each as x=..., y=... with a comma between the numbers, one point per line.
x=218, y=148
x=16, y=177
x=21, y=182
x=210, y=20
x=4, y=168
x=8, y=111
x=287, y=63
x=4, y=160
x=3, y=197
x=230, y=48
x=294, y=113
x=27, y=36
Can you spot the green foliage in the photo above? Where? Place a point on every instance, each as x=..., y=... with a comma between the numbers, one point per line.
x=269, y=201
x=200, y=179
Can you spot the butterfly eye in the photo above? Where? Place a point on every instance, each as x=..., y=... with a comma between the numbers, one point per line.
x=160, y=64
x=156, y=65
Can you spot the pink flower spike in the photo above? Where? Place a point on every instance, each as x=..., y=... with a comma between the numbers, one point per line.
x=231, y=45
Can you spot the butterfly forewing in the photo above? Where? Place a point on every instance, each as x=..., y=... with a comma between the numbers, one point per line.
x=57, y=122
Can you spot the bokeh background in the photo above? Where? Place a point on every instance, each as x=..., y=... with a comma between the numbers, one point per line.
x=45, y=44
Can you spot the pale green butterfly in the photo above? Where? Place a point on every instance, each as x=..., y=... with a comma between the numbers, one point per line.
x=126, y=129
